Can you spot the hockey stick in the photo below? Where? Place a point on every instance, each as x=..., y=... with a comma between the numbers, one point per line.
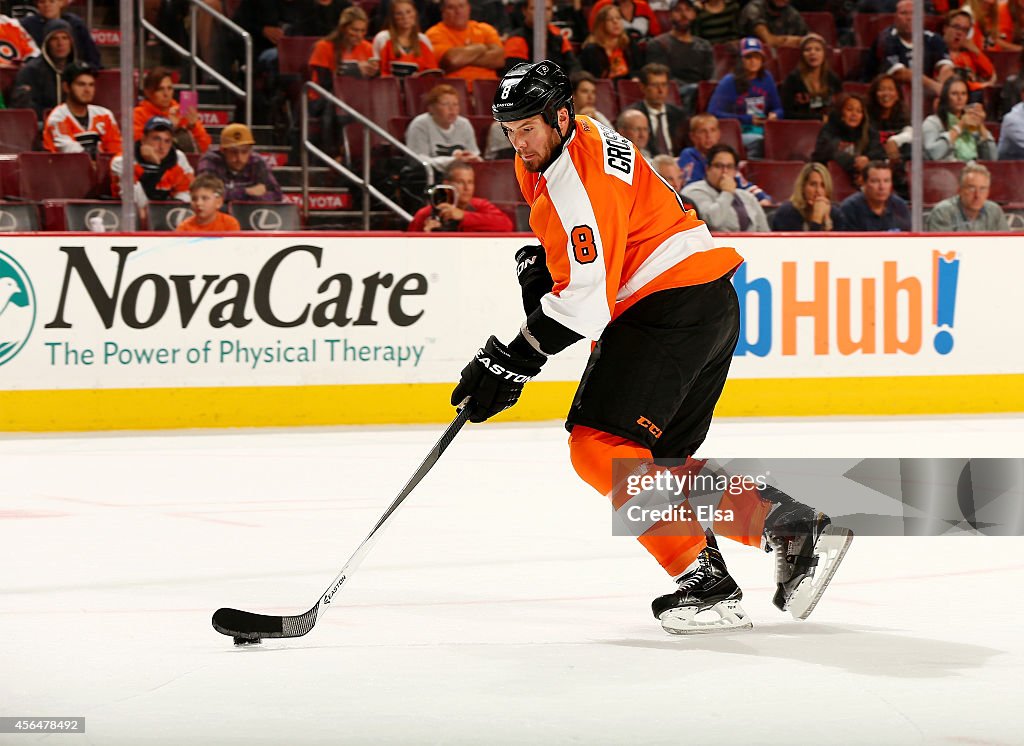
x=248, y=628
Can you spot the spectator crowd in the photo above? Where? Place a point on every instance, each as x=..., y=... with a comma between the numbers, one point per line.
x=784, y=115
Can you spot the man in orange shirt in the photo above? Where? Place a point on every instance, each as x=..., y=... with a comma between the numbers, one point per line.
x=464, y=48
x=78, y=125
x=623, y=263
x=207, y=193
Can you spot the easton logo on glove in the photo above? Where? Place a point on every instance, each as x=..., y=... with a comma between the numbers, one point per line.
x=495, y=377
x=492, y=367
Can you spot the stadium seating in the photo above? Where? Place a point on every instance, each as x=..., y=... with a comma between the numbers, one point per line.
x=851, y=65
x=607, y=102
x=76, y=215
x=165, y=216
x=19, y=130
x=726, y=57
x=842, y=185
x=416, y=90
x=377, y=99
x=293, y=54
x=481, y=128
x=1007, y=178
x=482, y=96
x=823, y=24
x=496, y=181
x=54, y=176
x=941, y=180
x=19, y=217
x=266, y=216
x=867, y=26
x=732, y=135
x=789, y=139
x=775, y=177
x=108, y=91
x=1005, y=63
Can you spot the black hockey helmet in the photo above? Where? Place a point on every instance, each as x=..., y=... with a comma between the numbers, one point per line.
x=529, y=89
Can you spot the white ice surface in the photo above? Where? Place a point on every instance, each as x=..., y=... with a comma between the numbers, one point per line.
x=497, y=609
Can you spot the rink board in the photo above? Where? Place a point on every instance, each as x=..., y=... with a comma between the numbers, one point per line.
x=136, y=332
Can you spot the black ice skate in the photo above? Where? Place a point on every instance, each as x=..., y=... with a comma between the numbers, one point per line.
x=708, y=587
x=808, y=550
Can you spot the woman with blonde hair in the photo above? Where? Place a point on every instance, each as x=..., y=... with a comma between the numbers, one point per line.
x=808, y=89
x=344, y=51
x=609, y=52
x=402, y=48
x=810, y=208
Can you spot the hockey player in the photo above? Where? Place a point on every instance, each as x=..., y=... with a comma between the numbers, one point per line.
x=623, y=263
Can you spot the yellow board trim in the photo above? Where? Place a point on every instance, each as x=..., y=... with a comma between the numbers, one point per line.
x=365, y=404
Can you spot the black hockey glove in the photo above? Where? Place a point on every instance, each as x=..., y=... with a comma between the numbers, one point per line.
x=534, y=278
x=495, y=377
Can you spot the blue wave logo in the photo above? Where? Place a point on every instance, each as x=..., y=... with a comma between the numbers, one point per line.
x=17, y=308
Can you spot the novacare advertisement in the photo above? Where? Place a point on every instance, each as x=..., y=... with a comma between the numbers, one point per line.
x=389, y=317
x=87, y=313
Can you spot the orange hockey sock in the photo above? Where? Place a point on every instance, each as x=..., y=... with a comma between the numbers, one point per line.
x=676, y=543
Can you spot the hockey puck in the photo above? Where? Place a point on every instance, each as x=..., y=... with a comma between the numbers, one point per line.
x=241, y=641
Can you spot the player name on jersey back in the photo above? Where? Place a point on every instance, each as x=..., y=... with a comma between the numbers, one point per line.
x=619, y=154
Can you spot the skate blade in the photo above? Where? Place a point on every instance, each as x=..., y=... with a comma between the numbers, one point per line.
x=683, y=620
x=830, y=549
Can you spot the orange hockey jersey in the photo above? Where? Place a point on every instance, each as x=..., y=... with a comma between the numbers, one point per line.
x=613, y=232
x=16, y=45
x=63, y=133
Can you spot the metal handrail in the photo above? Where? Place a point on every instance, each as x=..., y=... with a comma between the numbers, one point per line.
x=195, y=61
x=364, y=181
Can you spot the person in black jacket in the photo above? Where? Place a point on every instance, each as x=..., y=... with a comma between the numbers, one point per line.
x=810, y=208
x=37, y=85
x=47, y=10
x=808, y=90
x=848, y=139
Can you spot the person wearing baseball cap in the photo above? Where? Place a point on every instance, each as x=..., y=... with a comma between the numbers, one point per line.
x=246, y=175
x=162, y=171
x=748, y=95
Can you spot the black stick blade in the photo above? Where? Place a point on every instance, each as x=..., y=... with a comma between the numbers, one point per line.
x=246, y=625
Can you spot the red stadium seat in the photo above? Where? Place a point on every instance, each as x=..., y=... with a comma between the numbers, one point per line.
x=607, y=102
x=293, y=54
x=789, y=139
x=787, y=59
x=19, y=130
x=858, y=89
x=397, y=127
x=496, y=181
x=775, y=177
x=482, y=96
x=726, y=56
x=941, y=180
x=54, y=176
x=9, y=186
x=108, y=91
x=481, y=128
x=377, y=99
x=705, y=89
x=842, y=186
x=416, y=90
x=867, y=26
x=851, y=66
x=1005, y=63
x=1007, y=178
x=823, y=24
x=732, y=135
